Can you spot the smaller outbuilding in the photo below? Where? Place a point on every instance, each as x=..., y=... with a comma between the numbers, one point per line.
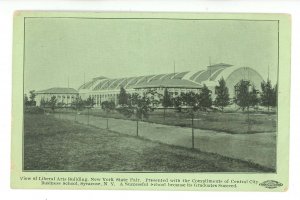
x=63, y=95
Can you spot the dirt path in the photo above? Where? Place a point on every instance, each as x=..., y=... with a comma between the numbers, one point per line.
x=258, y=148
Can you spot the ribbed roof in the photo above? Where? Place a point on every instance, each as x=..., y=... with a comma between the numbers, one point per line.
x=179, y=79
x=58, y=90
x=169, y=83
x=219, y=65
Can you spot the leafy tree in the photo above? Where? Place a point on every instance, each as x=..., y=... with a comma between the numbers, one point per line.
x=123, y=97
x=108, y=106
x=142, y=105
x=166, y=101
x=60, y=104
x=268, y=95
x=26, y=100
x=90, y=102
x=154, y=97
x=77, y=103
x=205, y=100
x=190, y=99
x=43, y=103
x=32, y=96
x=144, y=108
x=222, y=94
x=127, y=111
x=30, y=101
x=139, y=105
x=177, y=101
x=245, y=97
x=194, y=100
x=52, y=102
x=253, y=97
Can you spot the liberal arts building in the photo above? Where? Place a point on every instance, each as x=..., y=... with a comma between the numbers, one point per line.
x=107, y=89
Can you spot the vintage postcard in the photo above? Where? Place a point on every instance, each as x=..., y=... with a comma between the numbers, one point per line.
x=151, y=101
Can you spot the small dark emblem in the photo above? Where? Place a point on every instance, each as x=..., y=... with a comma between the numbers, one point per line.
x=271, y=184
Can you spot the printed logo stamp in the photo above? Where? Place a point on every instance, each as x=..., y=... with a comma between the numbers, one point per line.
x=271, y=184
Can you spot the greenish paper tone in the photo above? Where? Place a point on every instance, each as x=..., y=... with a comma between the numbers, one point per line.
x=66, y=49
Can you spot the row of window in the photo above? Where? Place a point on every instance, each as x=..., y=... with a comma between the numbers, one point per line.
x=104, y=95
x=62, y=96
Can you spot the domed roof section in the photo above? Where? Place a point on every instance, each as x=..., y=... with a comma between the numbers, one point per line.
x=243, y=71
x=210, y=74
x=189, y=79
x=88, y=85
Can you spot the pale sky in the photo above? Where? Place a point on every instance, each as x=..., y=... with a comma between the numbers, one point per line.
x=60, y=48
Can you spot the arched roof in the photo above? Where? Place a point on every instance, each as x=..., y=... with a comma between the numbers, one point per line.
x=226, y=73
x=188, y=79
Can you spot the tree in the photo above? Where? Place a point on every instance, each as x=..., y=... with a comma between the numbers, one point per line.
x=90, y=102
x=77, y=103
x=60, y=104
x=268, y=95
x=177, y=101
x=253, y=97
x=166, y=101
x=141, y=105
x=222, y=94
x=52, y=102
x=154, y=96
x=26, y=101
x=123, y=97
x=108, y=106
x=43, y=103
x=32, y=96
x=205, y=100
x=190, y=99
x=242, y=94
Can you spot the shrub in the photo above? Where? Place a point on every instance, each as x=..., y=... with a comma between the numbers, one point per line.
x=34, y=110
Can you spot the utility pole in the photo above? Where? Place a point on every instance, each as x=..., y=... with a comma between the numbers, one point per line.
x=174, y=67
x=268, y=72
x=84, y=78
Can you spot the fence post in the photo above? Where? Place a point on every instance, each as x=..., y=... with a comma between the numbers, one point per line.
x=248, y=118
x=193, y=145
x=106, y=123
x=137, y=128
x=88, y=122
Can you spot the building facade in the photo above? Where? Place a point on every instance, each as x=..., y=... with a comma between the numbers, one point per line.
x=64, y=96
x=107, y=89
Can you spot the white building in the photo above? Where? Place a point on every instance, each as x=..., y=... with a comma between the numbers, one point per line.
x=107, y=89
x=63, y=95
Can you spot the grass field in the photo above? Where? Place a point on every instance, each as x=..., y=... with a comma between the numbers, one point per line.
x=52, y=144
x=235, y=123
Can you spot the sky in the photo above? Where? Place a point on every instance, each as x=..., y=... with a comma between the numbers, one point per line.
x=59, y=51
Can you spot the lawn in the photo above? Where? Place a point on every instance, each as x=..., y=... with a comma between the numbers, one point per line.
x=52, y=144
x=235, y=122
